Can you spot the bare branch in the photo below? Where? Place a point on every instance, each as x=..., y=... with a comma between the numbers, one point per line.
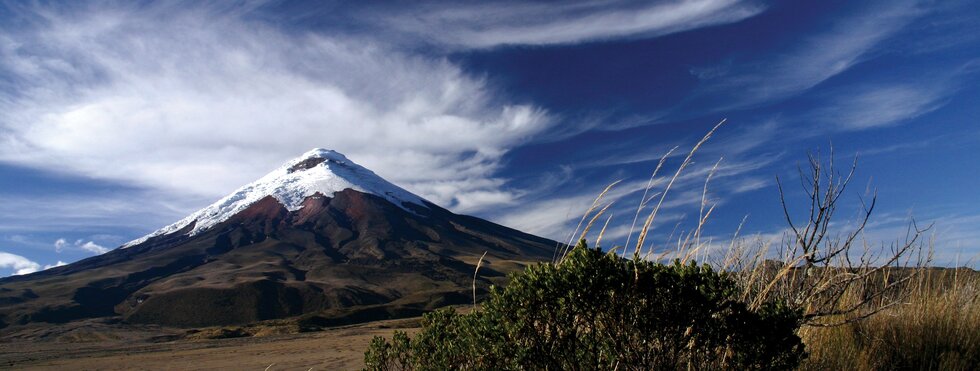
x=827, y=270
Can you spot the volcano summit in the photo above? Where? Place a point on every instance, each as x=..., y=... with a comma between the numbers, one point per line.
x=320, y=237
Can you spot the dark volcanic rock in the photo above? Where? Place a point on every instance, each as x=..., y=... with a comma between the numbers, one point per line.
x=307, y=164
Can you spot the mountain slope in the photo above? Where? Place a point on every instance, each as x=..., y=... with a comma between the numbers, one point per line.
x=320, y=236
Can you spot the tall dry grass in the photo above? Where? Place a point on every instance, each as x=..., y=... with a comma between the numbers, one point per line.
x=937, y=328
x=865, y=306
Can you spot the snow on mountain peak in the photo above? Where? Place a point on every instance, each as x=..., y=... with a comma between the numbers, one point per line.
x=317, y=171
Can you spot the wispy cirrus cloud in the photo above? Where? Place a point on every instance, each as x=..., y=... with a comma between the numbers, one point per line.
x=555, y=216
x=127, y=210
x=873, y=105
x=526, y=23
x=880, y=105
x=730, y=160
x=197, y=103
x=810, y=62
x=197, y=100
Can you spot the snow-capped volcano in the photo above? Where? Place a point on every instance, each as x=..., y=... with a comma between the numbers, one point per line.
x=320, y=171
x=319, y=237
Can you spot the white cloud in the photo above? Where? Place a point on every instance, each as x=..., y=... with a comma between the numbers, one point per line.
x=524, y=23
x=90, y=246
x=19, y=264
x=197, y=104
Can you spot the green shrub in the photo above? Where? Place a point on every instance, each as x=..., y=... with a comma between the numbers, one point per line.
x=597, y=311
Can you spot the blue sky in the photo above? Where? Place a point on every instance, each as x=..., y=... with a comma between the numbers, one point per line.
x=119, y=118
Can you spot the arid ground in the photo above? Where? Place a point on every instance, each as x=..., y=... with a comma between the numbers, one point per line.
x=91, y=347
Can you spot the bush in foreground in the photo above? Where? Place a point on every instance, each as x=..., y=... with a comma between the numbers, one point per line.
x=595, y=310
